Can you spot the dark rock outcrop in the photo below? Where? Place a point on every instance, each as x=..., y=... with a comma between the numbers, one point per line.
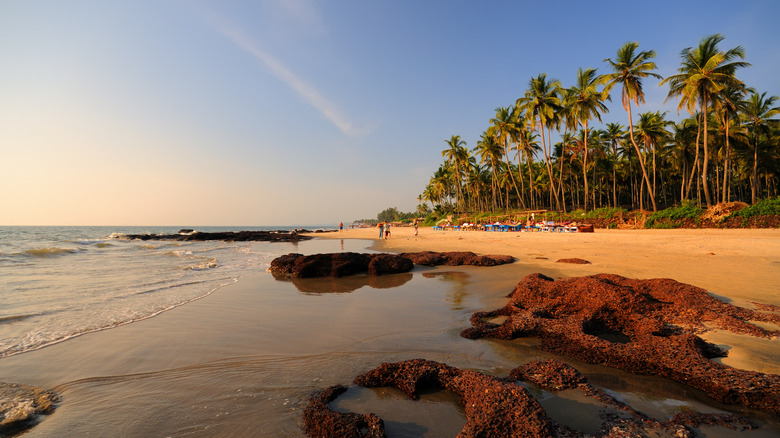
x=500, y=407
x=342, y=264
x=429, y=258
x=381, y=264
x=574, y=261
x=21, y=406
x=339, y=264
x=227, y=236
x=641, y=326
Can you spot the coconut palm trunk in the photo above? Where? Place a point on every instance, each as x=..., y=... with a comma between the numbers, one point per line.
x=645, y=178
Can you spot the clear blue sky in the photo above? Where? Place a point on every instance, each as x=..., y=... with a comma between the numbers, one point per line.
x=273, y=112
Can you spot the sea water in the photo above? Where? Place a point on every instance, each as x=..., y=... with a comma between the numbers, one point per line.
x=61, y=282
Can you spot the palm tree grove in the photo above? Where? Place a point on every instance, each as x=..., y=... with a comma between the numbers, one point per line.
x=550, y=150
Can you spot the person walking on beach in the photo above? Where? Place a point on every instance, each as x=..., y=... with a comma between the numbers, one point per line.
x=415, y=228
x=387, y=230
x=381, y=227
x=341, y=226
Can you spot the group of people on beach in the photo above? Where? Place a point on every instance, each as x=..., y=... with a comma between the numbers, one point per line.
x=384, y=230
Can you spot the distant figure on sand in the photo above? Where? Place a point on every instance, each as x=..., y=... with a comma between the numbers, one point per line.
x=387, y=230
x=381, y=227
x=341, y=226
x=415, y=227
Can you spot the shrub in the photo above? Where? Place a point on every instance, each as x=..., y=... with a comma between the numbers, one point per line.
x=765, y=207
x=671, y=217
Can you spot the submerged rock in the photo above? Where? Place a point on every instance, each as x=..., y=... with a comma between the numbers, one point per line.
x=500, y=407
x=21, y=406
x=641, y=326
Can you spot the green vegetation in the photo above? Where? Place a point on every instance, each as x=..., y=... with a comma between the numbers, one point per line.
x=390, y=214
x=765, y=207
x=672, y=217
x=727, y=150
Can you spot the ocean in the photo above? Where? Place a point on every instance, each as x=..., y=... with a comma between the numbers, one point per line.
x=61, y=282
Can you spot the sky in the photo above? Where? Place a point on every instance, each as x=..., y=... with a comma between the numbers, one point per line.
x=298, y=112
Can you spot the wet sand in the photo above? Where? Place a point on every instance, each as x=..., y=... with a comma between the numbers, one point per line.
x=244, y=360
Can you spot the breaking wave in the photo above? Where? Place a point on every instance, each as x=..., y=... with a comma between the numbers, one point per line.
x=50, y=252
x=208, y=264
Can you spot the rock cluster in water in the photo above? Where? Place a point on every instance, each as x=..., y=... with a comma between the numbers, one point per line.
x=227, y=236
x=342, y=264
x=641, y=326
x=499, y=407
x=21, y=406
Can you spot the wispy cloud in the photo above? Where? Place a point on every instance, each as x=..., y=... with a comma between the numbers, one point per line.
x=308, y=93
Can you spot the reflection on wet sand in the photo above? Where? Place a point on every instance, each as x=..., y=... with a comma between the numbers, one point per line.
x=348, y=284
x=458, y=280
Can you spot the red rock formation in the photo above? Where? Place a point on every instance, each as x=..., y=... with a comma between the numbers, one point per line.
x=494, y=407
x=319, y=421
x=641, y=326
x=497, y=407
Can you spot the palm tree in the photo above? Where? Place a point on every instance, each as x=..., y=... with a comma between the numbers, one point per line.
x=564, y=150
x=504, y=128
x=527, y=146
x=441, y=184
x=651, y=128
x=458, y=156
x=613, y=135
x=540, y=103
x=587, y=102
x=630, y=68
x=759, y=119
x=730, y=103
x=568, y=119
x=704, y=72
x=682, y=137
x=490, y=152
